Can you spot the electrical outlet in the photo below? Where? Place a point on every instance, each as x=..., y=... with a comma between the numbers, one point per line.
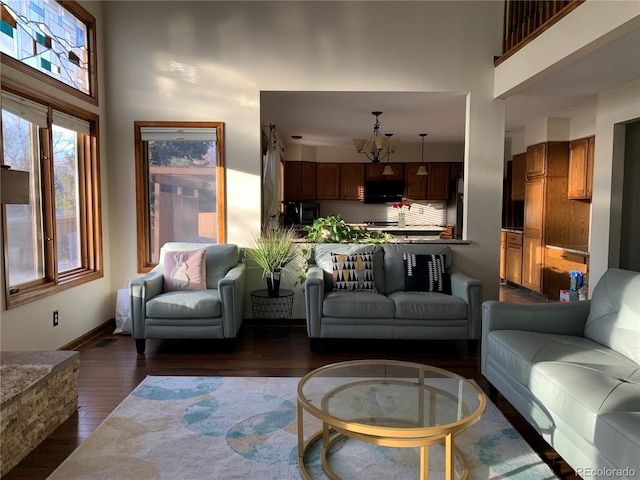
x=55, y=318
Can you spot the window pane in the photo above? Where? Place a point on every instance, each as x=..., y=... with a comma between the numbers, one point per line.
x=65, y=174
x=182, y=192
x=24, y=222
x=47, y=37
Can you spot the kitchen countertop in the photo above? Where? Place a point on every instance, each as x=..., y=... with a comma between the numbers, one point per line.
x=579, y=249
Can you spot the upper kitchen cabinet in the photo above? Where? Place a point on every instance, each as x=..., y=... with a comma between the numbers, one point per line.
x=352, y=181
x=328, y=181
x=299, y=181
x=456, y=170
x=536, y=160
x=518, y=176
x=374, y=171
x=581, y=153
x=438, y=181
x=415, y=186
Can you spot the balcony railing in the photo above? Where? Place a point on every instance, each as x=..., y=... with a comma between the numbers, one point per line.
x=524, y=20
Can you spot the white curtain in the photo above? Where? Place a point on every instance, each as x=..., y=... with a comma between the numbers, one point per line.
x=271, y=180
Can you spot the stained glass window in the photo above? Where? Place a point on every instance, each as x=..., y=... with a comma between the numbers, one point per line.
x=46, y=36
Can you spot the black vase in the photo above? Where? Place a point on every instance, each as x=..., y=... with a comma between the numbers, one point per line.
x=273, y=283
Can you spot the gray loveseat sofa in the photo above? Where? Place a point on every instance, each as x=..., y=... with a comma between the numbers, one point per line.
x=215, y=310
x=390, y=312
x=573, y=371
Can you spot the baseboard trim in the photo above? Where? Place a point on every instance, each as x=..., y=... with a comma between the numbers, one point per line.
x=109, y=325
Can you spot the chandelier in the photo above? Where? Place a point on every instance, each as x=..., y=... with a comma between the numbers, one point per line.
x=377, y=147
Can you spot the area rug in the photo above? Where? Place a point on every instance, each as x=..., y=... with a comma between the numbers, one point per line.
x=221, y=428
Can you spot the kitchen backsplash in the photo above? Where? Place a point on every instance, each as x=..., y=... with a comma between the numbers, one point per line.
x=421, y=213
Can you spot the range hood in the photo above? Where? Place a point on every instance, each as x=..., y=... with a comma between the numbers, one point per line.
x=383, y=191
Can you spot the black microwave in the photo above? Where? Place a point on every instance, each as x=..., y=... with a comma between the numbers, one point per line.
x=300, y=213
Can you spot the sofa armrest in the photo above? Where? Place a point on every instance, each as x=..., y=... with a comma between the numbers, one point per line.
x=231, y=290
x=141, y=290
x=313, y=297
x=557, y=318
x=470, y=290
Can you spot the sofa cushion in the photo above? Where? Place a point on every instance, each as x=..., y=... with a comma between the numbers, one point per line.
x=394, y=262
x=353, y=271
x=614, y=318
x=575, y=393
x=183, y=270
x=428, y=306
x=185, y=304
x=349, y=304
x=518, y=351
x=425, y=273
x=322, y=257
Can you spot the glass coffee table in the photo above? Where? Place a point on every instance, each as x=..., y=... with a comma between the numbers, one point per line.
x=391, y=404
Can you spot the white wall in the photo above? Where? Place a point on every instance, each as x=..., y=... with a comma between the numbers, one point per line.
x=614, y=107
x=211, y=60
x=30, y=327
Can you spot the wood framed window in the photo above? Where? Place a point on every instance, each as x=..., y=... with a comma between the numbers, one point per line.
x=180, y=185
x=55, y=241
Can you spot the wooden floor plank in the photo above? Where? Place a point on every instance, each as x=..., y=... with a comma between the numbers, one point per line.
x=108, y=374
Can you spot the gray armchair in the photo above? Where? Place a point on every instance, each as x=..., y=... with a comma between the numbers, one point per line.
x=215, y=312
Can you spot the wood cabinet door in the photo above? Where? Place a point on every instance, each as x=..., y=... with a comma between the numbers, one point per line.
x=581, y=153
x=328, y=181
x=456, y=170
x=292, y=185
x=532, y=258
x=514, y=264
x=518, y=176
x=374, y=171
x=503, y=254
x=532, y=246
x=536, y=160
x=578, y=168
x=438, y=181
x=352, y=181
x=415, y=186
x=308, y=181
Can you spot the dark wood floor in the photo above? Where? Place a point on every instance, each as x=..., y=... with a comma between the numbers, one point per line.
x=110, y=369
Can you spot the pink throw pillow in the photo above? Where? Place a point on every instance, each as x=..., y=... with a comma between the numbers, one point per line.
x=184, y=270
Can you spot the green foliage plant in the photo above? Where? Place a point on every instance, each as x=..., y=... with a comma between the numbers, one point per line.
x=273, y=249
x=333, y=229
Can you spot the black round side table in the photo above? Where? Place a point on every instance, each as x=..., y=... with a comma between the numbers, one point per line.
x=273, y=311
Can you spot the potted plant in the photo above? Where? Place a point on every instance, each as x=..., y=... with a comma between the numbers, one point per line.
x=272, y=251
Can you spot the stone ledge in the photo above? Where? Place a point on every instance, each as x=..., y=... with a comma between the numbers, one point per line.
x=33, y=414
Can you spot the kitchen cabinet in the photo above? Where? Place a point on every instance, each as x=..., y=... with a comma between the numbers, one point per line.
x=513, y=260
x=559, y=263
x=532, y=252
x=438, y=181
x=299, y=180
x=503, y=254
x=352, y=181
x=374, y=171
x=415, y=186
x=328, y=181
x=536, y=160
x=581, y=153
x=550, y=217
x=518, y=176
x=456, y=170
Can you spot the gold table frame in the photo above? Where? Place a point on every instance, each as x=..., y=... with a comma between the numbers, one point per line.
x=406, y=435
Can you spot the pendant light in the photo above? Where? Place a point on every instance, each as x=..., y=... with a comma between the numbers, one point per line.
x=422, y=170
